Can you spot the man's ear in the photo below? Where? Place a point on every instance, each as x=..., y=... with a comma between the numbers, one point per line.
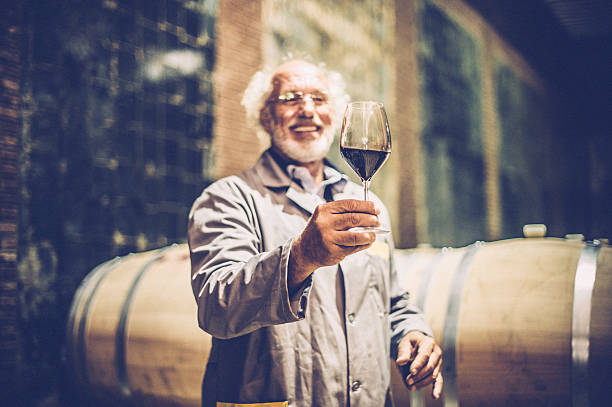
x=266, y=119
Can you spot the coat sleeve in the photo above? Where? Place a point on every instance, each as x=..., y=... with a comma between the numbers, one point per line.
x=238, y=287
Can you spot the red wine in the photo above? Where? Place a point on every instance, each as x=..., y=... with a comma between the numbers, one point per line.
x=364, y=162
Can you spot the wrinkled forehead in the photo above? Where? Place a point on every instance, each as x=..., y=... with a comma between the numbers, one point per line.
x=304, y=77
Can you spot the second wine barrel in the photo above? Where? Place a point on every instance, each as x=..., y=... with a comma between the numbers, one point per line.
x=522, y=322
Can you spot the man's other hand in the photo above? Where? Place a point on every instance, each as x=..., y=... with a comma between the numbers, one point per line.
x=423, y=357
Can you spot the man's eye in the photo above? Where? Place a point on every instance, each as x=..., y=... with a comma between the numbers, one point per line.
x=295, y=98
x=290, y=97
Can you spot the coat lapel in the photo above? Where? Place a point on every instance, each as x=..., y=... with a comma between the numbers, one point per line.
x=304, y=200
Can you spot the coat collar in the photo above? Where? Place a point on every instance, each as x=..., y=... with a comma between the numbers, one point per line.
x=272, y=172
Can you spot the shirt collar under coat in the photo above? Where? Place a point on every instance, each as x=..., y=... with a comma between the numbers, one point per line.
x=274, y=173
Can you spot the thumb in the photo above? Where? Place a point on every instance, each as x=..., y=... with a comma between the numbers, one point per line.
x=404, y=352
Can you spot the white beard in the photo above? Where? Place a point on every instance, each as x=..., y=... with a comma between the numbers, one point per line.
x=305, y=152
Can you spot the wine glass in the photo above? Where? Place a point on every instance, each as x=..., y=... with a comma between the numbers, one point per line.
x=365, y=144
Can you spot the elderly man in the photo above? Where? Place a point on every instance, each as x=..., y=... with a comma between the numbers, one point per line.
x=301, y=309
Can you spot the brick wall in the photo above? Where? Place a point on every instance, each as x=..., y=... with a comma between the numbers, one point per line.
x=412, y=218
x=10, y=66
x=238, y=57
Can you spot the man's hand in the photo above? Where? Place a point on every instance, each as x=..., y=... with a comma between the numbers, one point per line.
x=423, y=357
x=326, y=239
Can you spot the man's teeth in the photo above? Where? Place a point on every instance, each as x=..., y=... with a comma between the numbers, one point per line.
x=305, y=128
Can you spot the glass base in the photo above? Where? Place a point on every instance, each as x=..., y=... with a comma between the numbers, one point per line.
x=379, y=230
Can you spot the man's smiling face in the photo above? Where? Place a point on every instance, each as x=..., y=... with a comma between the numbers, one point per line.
x=298, y=115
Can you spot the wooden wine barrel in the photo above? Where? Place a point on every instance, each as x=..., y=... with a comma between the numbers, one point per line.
x=522, y=322
x=132, y=332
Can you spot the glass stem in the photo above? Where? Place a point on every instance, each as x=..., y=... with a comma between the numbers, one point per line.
x=366, y=184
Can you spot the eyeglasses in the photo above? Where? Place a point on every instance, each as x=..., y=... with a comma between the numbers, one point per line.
x=291, y=98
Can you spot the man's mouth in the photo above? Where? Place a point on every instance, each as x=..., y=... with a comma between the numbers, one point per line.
x=305, y=128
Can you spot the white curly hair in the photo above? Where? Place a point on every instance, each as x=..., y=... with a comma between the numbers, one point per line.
x=260, y=87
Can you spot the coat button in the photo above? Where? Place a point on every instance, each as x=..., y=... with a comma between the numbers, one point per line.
x=355, y=385
x=351, y=317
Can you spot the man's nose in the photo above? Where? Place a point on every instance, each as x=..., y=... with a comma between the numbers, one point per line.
x=307, y=107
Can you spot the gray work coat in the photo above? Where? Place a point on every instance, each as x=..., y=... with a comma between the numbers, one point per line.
x=329, y=343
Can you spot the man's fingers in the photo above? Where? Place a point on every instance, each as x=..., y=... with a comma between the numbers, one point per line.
x=351, y=239
x=426, y=367
x=412, y=385
x=434, y=361
x=437, y=387
x=404, y=353
x=426, y=376
x=345, y=221
x=422, y=356
x=352, y=205
x=436, y=371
